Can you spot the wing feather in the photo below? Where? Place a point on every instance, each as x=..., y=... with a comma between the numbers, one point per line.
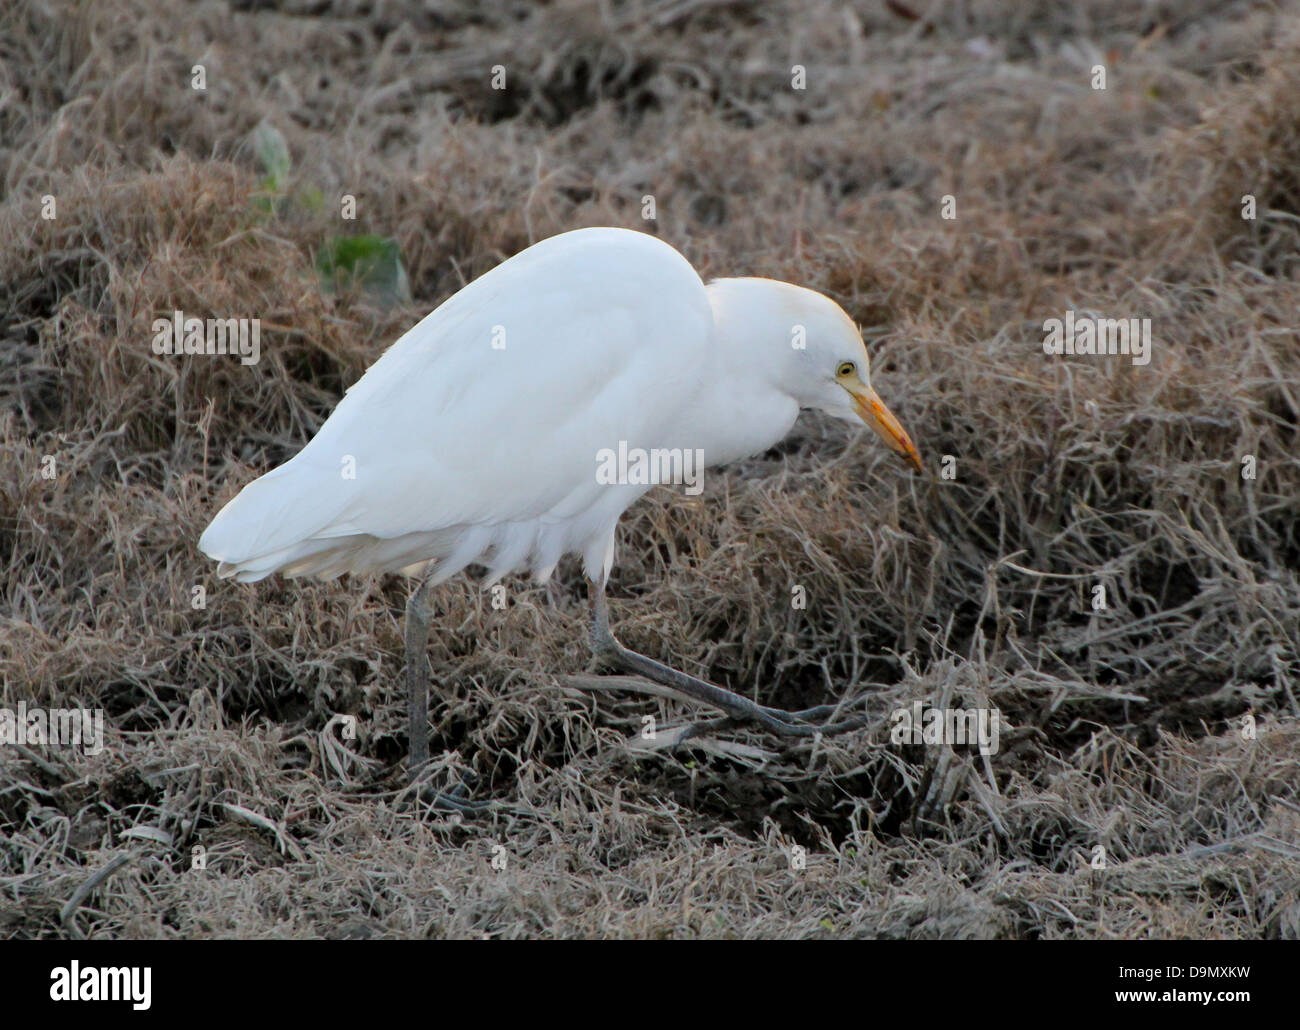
x=492, y=409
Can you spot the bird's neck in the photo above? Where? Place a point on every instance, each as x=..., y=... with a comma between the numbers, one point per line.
x=745, y=407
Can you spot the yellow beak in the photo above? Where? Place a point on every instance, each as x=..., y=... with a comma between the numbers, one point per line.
x=872, y=411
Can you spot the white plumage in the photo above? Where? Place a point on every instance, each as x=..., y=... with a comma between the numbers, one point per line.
x=473, y=439
x=478, y=437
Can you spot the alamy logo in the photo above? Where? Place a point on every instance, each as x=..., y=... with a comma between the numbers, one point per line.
x=921, y=725
x=58, y=727
x=181, y=335
x=96, y=983
x=642, y=467
x=1083, y=334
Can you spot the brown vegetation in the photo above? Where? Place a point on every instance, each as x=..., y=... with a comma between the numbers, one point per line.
x=1121, y=728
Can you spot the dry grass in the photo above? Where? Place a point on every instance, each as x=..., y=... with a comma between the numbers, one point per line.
x=1121, y=727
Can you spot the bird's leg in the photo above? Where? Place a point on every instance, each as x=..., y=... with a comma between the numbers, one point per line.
x=417, y=677
x=738, y=708
x=417, y=700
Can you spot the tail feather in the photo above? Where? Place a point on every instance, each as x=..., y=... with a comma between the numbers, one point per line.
x=289, y=522
x=283, y=517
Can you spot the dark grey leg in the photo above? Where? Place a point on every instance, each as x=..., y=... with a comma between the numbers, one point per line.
x=417, y=678
x=737, y=708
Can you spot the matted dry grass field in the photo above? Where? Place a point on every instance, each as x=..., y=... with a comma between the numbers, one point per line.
x=1122, y=729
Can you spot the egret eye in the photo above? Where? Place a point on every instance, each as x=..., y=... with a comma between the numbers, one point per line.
x=847, y=368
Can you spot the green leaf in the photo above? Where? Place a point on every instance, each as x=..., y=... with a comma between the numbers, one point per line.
x=372, y=262
x=313, y=200
x=273, y=152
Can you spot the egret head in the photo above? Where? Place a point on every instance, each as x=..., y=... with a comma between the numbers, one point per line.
x=817, y=352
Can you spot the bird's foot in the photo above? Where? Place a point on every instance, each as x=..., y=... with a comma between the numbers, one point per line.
x=739, y=710
x=669, y=682
x=421, y=793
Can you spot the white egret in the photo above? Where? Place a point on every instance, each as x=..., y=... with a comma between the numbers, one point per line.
x=477, y=438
